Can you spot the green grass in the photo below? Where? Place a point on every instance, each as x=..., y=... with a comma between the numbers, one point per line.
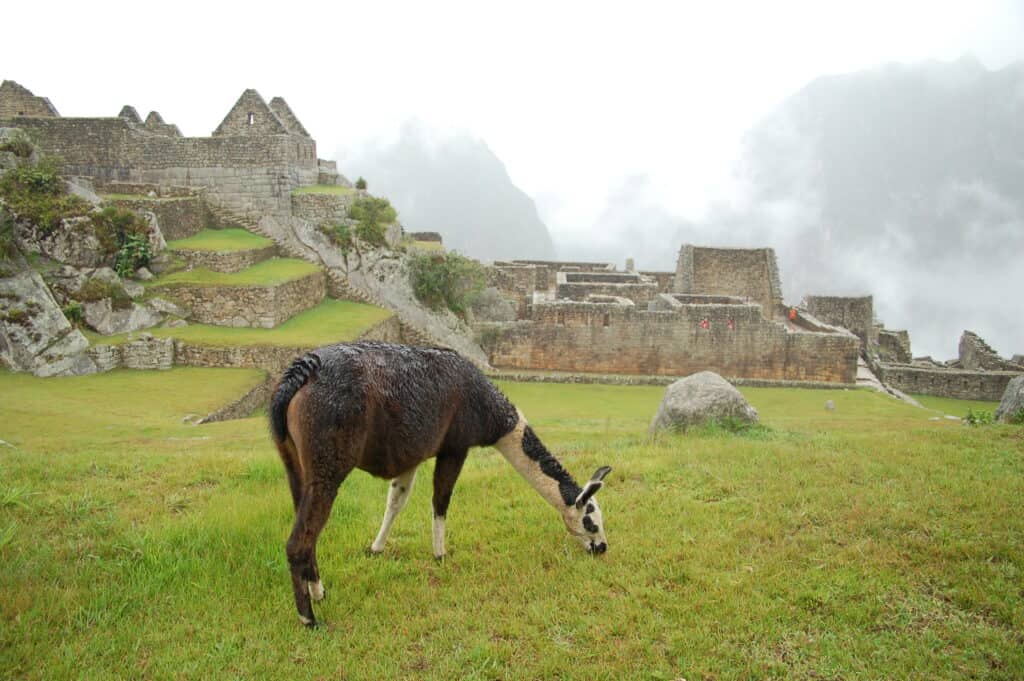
x=270, y=272
x=428, y=245
x=947, y=405
x=861, y=543
x=221, y=241
x=332, y=321
x=325, y=189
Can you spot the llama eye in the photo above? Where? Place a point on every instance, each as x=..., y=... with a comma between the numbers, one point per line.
x=589, y=525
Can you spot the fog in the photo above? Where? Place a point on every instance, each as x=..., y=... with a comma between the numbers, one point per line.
x=629, y=127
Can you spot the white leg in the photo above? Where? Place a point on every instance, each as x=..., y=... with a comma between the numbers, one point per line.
x=439, y=536
x=398, y=495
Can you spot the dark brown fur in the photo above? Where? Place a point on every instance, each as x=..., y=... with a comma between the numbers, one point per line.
x=381, y=408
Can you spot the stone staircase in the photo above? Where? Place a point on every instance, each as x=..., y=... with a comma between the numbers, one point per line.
x=337, y=286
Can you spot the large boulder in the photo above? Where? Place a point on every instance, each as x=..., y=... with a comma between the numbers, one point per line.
x=491, y=306
x=702, y=398
x=1012, y=403
x=34, y=333
x=72, y=242
x=102, y=316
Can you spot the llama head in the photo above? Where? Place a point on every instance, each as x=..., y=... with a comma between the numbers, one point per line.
x=583, y=517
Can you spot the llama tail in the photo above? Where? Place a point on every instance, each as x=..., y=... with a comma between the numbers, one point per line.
x=301, y=371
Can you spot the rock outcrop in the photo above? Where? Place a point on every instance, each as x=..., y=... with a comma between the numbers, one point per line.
x=1011, y=407
x=699, y=399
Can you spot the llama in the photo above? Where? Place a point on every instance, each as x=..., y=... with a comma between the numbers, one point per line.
x=385, y=409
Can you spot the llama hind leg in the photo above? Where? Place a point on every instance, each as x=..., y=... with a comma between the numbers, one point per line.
x=398, y=495
x=310, y=518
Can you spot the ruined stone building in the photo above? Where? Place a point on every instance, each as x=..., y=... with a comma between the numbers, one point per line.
x=249, y=165
x=721, y=310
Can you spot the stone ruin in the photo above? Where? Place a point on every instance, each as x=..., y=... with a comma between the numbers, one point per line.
x=720, y=310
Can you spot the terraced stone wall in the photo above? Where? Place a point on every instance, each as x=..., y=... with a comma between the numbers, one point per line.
x=179, y=218
x=249, y=306
x=581, y=285
x=751, y=273
x=963, y=385
x=732, y=340
x=855, y=313
x=323, y=208
x=234, y=261
x=894, y=346
x=248, y=175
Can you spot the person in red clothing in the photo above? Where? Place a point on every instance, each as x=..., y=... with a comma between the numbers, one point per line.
x=792, y=314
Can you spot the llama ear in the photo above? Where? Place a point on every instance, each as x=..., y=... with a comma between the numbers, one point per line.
x=596, y=483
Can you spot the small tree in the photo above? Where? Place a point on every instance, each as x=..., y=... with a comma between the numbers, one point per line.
x=446, y=280
x=361, y=183
x=372, y=216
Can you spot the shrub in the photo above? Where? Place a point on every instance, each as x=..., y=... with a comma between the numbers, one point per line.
x=978, y=418
x=7, y=248
x=37, y=193
x=446, y=280
x=97, y=289
x=133, y=254
x=360, y=183
x=19, y=145
x=372, y=216
x=1017, y=418
x=73, y=312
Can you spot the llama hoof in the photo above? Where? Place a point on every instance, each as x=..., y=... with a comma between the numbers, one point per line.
x=308, y=622
x=440, y=559
x=373, y=551
x=316, y=590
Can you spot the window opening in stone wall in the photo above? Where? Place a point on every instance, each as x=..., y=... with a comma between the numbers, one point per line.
x=252, y=118
x=607, y=319
x=561, y=318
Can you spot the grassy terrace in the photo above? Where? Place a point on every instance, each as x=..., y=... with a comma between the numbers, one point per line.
x=861, y=543
x=325, y=189
x=267, y=273
x=332, y=321
x=221, y=241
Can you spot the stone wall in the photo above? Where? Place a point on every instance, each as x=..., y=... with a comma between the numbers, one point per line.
x=179, y=218
x=232, y=261
x=750, y=273
x=894, y=346
x=248, y=175
x=253, y=306
x=323, y=208
x=17, y=101
x=547, y=270
x=581, y=285
x=963, y=385
x=664, y=280
x=615, y=338
x=855, y=314
x=976, y=354
x=147, y=352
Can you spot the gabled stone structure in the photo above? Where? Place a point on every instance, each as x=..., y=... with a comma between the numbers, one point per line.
x=250, y=116
x=129, y=114
x=287, y=117
x=18, y=102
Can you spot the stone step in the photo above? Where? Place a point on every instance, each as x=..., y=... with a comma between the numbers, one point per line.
x=224, y=250
x=262, y=296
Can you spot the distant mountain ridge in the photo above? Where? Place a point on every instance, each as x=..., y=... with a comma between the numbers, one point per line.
x=455, y=185
x=906, y=181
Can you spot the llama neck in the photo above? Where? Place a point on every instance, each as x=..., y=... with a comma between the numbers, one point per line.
x=533, y=461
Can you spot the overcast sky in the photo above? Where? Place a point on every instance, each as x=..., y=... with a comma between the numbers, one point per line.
x=574, y=97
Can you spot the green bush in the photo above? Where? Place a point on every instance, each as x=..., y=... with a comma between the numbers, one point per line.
x=37, y=194
x=7, y=248
x=360, y=183
x=97, y=289
x=1017, y=418
x=372, y=216
x=73, y=312
x=19, y=145
x=446, y=280
x=133, y=254
x=978, y=418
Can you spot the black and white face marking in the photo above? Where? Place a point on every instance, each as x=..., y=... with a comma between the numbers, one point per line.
x=583, y=518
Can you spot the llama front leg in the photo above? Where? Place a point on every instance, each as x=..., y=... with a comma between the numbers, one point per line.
x=446, y=472
x=398, y=496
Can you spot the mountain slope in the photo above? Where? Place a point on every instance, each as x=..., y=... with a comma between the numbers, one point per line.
x=455, y=185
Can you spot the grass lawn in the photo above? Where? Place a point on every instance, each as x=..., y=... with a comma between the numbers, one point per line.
x=861, y=543
x=325, y=189
x=221, y=241
x=428, y=245
x=267, y=273
x=953, y=407
x=332, y=321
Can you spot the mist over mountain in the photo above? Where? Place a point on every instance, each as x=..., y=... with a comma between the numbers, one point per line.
x=902, y=181
x=453, y=183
